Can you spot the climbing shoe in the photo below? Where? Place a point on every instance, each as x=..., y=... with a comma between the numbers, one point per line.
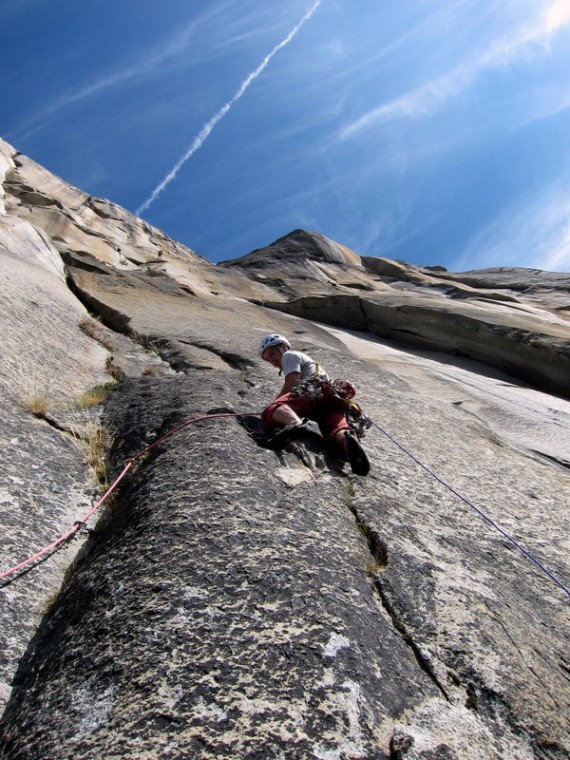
x=356, y=456
x=286, y=435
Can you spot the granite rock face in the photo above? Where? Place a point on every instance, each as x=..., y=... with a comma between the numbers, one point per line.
x=48, y=364
x=527, y=343
x=232, y=601
x=312, y=261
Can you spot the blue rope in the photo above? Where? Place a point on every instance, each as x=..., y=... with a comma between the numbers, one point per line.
x=479, y=511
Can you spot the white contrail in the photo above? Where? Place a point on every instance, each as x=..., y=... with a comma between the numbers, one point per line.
x=209, y=126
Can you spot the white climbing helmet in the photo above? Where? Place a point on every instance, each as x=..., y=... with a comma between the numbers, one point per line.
x=273, y=339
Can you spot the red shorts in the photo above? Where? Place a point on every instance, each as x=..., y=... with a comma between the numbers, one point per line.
x=327, y=412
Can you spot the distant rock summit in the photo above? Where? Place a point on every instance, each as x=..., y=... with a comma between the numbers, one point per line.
x=511, y=318
x=229, y=601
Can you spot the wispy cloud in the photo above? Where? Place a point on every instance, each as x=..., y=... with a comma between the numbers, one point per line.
x=557, y=16
x=535, y=233
x=150, y=62
x=433, y=94
x=209, y=126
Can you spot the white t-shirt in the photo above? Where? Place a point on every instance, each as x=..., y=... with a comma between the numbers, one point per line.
x=296, y=361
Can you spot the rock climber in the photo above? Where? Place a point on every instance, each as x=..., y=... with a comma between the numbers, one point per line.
x=308, y=393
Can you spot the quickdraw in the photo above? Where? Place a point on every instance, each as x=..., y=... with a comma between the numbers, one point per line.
x=319, y=385
x=313, y=387
x=357, y=420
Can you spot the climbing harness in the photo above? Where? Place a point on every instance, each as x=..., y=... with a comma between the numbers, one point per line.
x=319, y=385
x=313, y=387
x=358, y=422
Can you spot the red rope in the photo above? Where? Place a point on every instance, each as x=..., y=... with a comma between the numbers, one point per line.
x=76, y=526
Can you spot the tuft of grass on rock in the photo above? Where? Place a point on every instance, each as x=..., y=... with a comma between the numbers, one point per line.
x=350, y=493
x=37, y=405
x=374, y=568
x=97, y=446
x=94, y=443
x=97, y=394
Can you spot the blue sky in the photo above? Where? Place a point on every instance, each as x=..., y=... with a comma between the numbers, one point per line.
x=433, y=132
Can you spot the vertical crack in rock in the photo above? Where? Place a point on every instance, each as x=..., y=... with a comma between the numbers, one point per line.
x=423, y=662
x=380, y=558
x=364, y=316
